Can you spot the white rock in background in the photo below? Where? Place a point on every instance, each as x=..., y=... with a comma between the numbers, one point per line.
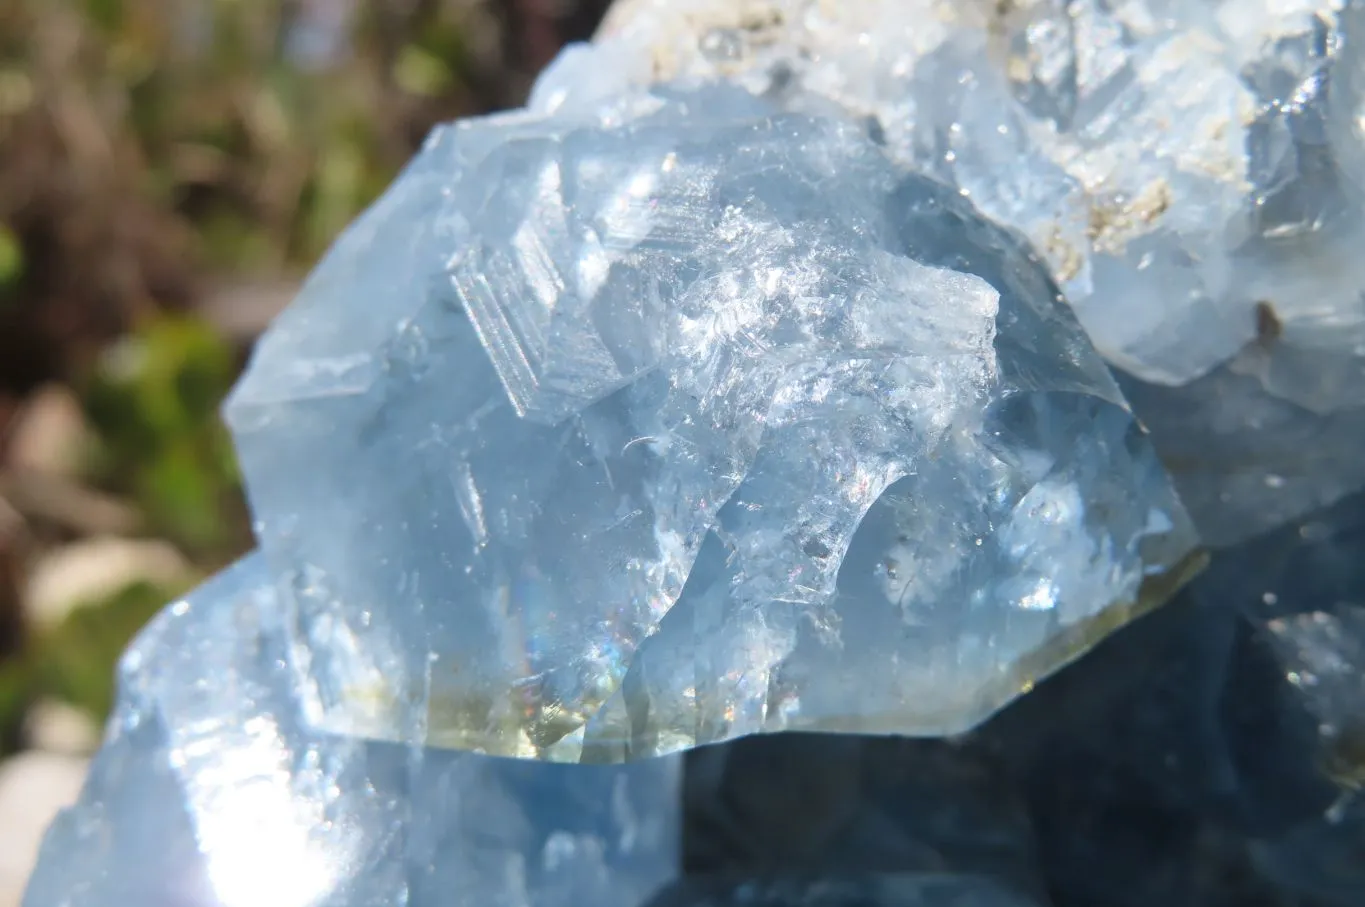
x=53, y=726
x=34, y=786
x=93, y=569
x=50, y=433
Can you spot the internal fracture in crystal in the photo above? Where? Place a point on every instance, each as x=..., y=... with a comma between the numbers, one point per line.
x=681, y=367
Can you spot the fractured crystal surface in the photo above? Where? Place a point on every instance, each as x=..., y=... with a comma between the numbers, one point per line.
x=1193, y=173
x=683, y=368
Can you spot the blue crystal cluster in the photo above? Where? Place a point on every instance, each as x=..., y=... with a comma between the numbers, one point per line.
x=888, y=371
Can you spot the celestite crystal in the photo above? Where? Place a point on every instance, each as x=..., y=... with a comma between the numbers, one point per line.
x=683, y=371
x=772, y=371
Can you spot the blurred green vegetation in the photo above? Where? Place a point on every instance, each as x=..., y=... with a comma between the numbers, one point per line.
x=153, y=402
x=153, y=152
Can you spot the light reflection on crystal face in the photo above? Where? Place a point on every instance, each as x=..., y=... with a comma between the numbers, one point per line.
x=1041, y=597
x=255, y=832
